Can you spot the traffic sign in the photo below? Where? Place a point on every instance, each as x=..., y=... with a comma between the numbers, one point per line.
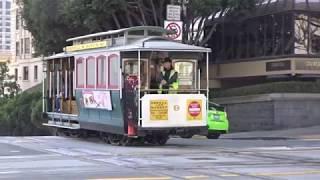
x=173, y=12
x=194, y=110
x=175, y=26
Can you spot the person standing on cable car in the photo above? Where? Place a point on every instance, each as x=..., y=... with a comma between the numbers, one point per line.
x=168, y=78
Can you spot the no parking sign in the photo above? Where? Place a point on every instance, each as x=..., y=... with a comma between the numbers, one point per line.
x=175, y=26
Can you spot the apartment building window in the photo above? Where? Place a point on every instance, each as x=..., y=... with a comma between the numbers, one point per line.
x=21, y=46
x=7, y=47
x=27, y=45
x=17, y=49
x=8, y=5
x=25, y=73
x=16, y=74
x=7, y=29
x=17, y=21
x=35, y=72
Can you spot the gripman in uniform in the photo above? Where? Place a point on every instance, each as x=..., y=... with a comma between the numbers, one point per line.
x=168, y=78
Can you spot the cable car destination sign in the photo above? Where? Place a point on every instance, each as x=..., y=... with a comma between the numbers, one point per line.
x=86, y=46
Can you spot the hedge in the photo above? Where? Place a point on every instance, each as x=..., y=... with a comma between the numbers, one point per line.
x=275, y=87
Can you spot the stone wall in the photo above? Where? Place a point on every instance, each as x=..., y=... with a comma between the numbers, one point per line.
x=272, y=111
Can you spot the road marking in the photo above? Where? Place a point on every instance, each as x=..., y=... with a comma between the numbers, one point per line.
x=14, y=151
x=287, y=173
x=9, y=172
x=311, y=139
x=196, y=177
x=136, y=178
x=229, y=175
x=199, y=137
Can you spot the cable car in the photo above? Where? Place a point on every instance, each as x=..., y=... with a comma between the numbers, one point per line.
x=108, y=83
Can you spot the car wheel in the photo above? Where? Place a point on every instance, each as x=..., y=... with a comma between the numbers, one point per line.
x=213, y=136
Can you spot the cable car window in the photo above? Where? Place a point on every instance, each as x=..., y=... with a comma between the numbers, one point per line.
x=80, y=72
x=187, y=74
x=90, y=72
x=114, y=66
x=155, y=33
x=136, y=33
x=131, y=69
x=101, y=72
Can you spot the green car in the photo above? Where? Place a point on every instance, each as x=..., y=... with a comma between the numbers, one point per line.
x=217, y=121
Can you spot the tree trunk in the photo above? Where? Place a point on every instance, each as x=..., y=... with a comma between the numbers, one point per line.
x=116, y=21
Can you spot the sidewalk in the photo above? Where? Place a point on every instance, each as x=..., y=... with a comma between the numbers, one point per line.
x=298, y=133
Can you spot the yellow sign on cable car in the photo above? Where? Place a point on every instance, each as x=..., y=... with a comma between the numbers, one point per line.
x=93, y=45
x=159, y=110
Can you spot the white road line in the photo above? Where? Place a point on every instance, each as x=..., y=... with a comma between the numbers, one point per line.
x=14, y=151
x=9, y=172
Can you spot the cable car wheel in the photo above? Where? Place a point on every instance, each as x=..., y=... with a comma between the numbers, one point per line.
x=74, y=133
x=104, y=137
x=127, y=141
x=115, y=139
x=159, y=139
x=62, y=133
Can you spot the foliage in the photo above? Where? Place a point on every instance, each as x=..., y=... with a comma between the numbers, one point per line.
x=8, y=87
x=51, y=22
x=275, y=87
x=21, y=115
x=201, y=14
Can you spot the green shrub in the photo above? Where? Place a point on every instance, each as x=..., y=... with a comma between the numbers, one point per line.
x=21, y=115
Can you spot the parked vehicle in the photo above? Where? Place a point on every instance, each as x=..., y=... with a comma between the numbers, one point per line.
x=217, y=121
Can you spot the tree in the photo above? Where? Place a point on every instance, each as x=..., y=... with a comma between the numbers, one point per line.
x=201, y=13
x=8, y=87
x=52, y=22
x=21, y=115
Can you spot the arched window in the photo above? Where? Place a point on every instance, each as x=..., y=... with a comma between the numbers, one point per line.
x=101, y=72
x=91, y=66
x=114, y=68
x=80, y=72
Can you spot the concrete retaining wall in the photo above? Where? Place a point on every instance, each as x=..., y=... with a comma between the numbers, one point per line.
x=272, y=111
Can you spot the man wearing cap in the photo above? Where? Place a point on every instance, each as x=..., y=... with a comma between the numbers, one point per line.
x=168, y=78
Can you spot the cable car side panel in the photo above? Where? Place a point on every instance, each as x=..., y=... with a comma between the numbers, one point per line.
x=101, y=119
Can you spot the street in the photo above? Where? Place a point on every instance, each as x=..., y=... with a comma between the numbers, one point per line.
x=290, y=154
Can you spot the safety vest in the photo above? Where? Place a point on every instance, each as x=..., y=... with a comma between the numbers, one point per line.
x=172, y=87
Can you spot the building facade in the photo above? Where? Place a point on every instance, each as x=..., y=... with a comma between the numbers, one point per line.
x=280, y=40
x=26, y=68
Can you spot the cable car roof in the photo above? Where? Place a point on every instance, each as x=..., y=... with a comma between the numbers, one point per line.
x=119, y=31
x=145, y=44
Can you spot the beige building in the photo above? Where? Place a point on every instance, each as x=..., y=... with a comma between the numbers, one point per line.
x=26, y=68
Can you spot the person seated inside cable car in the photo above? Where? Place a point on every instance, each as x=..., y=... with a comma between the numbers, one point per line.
x=168, y=78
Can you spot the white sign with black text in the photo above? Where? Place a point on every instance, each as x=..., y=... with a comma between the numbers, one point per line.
x=173, y=12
